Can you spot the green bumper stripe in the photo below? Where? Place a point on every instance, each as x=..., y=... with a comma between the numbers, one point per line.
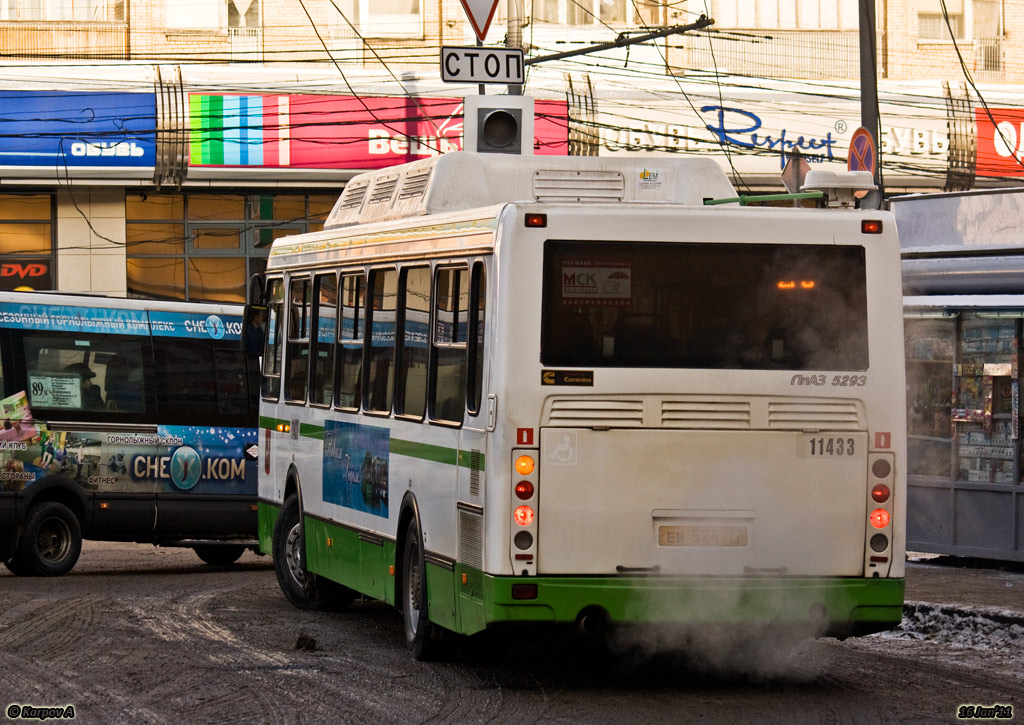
x=698, y=601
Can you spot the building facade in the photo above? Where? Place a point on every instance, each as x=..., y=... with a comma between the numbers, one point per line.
x=155, y=148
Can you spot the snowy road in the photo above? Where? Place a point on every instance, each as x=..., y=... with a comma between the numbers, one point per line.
x=154, y=636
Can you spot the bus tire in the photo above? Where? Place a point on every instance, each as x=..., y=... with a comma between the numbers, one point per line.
x=50, y=543
x=219, y=555
x=422, y=637
x=303, y=589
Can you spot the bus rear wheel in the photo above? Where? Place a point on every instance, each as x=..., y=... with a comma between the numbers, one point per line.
x=303, y=589
x=422, y=637
x=50, y=543
x=219, y=555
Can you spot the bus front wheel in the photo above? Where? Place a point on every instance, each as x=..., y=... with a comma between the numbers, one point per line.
x=50, y=542
x=303, y=589
x=422, y=637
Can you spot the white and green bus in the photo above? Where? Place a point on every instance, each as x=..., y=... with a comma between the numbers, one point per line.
x=511, y=389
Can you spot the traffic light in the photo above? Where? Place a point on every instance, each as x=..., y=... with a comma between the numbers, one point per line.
x=498, y=125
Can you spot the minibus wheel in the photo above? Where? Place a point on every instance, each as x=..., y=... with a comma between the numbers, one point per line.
x=50, y=542
x=219, y=555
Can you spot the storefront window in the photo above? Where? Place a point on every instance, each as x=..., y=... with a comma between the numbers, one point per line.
x=963, y=383
x=206, y=246
x=26, y=241
x=929, y=345
x=986, y=399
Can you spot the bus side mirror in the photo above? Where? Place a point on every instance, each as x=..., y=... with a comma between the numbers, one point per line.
x=257, y=290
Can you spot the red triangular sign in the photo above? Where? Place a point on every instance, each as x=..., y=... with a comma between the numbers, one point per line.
x=480, y=13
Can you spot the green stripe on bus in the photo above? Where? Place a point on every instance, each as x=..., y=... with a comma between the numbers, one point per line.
x=399, y=446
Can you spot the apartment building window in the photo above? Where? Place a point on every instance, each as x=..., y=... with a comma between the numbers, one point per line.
x=243, y=13
x=208, y=15
x=977, y=19
x=380, y=18
x=786, y=14
x=206, y=246
x=931, y=25
x=26, y=241
x=600, y=12
x=57, y=10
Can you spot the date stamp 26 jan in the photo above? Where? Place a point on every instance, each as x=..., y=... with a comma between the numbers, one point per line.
x=985, y=712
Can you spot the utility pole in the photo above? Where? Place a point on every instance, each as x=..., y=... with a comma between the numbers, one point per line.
x=869, y=94
x=514, y=36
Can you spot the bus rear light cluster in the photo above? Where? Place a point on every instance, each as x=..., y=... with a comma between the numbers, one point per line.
x=879, y=518
x=881, y=480
x=523, y=535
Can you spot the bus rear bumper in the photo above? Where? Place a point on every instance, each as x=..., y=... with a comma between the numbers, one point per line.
x=836, y=606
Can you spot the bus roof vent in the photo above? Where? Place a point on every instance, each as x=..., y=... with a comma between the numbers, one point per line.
x=346, y=209
x=415, y=184
x=580, y=185
x=460, y=180
x=382, y=190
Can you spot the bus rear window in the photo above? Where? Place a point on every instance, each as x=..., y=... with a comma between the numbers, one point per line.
x=719, y=306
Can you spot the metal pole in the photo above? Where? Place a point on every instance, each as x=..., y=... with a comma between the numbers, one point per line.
x=869, y=94
x=514, y=37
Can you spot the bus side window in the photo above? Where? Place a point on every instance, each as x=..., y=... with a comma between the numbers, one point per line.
x=271, y=387
x=232, y=382
x=412, y=360
x=83, y=373
x=451, y=315
x=477, y=307
x=350, y=337
x=124, y=384
x=296, y=358
x=325, y=323
x=184, y=380
x=380, y=361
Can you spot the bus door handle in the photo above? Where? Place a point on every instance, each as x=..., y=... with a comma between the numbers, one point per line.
x=492, y=411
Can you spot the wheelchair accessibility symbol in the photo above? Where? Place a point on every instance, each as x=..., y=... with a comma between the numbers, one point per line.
x=561, y=448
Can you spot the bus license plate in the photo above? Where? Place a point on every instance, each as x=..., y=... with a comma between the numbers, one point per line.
x=702, y=536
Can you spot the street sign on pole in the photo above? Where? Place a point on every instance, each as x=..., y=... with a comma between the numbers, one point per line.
x=795, y=172
x=480, y=13
x=474, y=64
x=863, y=154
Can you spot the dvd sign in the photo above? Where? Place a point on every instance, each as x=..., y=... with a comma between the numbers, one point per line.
x=24, y=275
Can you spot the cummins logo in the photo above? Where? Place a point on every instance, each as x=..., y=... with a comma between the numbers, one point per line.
x=111, y=148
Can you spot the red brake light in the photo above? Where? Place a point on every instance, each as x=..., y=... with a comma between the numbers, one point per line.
x=871, y=226
x=523, y=515
x=524, y=490
x=536, y=220
x=879, y=518
x=880, y=493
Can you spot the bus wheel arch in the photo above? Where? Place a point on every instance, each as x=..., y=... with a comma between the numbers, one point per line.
x=50, y=541
x=300, y=587
x=423, y=638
